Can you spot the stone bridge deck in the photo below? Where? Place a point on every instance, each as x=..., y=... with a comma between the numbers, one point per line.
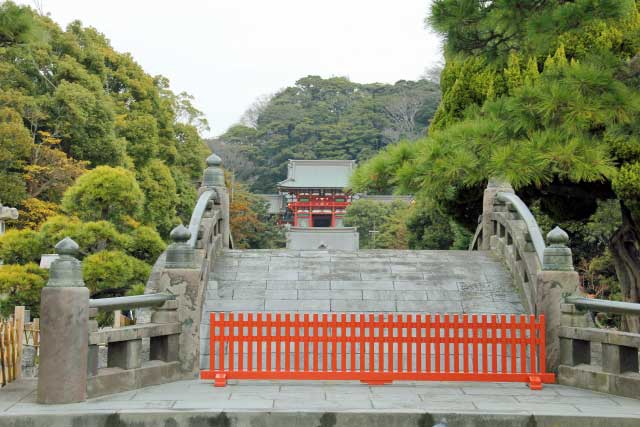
x=339, y=404
x=383, y=281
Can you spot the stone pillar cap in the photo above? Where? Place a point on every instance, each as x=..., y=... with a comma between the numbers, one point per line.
x=214, y=160
x=66, y=270
x=180, y=234
x=557, y=237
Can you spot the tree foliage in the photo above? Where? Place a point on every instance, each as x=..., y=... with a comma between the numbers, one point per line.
x=251, y=225
x=544, y=95
x=325, y=119
x=109, y=273
x=105, y=193
x=69, y=102
x=21, y=285
x=401, y=225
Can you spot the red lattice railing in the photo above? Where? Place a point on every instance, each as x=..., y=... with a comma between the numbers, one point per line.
x=377, y=349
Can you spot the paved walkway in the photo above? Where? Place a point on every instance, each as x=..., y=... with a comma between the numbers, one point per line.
x=439, y=399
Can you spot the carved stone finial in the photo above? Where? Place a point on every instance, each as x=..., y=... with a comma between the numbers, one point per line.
x=67, y=246
x=557, y=256
x=180, y=234
x=66, y=270
x=180, y=254
x=558, y=237
x=214, y=160
x=213, y=174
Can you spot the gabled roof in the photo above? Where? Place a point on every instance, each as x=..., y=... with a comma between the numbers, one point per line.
x=318, y=174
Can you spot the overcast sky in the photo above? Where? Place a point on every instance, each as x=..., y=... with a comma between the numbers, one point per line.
x=228, y=52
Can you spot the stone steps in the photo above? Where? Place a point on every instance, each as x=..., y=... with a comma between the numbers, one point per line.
x=381, y=281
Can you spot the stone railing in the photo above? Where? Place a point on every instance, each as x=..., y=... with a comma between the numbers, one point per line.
x=542, y=274
x=126, y=366
x=603, y=360
x=164, y=344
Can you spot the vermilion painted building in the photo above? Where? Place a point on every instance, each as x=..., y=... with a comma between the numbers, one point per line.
x=314, y=192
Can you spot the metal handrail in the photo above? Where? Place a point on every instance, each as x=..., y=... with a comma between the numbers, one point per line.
x=529, y=220
x=604, y=306
x=198, y=214
x=127, y=303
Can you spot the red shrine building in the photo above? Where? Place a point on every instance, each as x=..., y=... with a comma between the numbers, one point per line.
x=313, y=201
x=314, y=192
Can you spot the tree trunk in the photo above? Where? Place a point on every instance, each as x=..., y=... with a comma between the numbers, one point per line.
x=624, y=247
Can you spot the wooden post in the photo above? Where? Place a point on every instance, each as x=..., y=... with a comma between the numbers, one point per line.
x=18, y=320
x=36, y=334
x=117, y=319
x=2, y=353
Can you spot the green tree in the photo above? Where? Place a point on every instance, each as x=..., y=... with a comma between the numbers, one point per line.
x=567, y=137
x=21, y=285
x=369, y=217
x=325, y=119
x=160, y=196
x=145, y=244
x=15, y=149
x=71, y=101
x=109, y=273
x=20, y=246
x=105, y=193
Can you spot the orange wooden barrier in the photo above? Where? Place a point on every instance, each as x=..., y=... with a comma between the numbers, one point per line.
x=377, y=349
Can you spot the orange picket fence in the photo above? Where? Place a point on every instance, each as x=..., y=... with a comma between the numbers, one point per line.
x=377, y=348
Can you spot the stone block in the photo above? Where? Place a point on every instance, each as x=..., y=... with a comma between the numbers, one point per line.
x=298, y=305
x=551, y=288
x=429, y=306
x=64, y=345
x=592, y=379
x=340, y=305
x=248, y=293
x=168, y=305
x=93, y=360
x=234, y=305
x=165, y=348
x=362, y=284
x=627, y=385
x=125, y=354
x=618, y=359
x=281, y=294
x=165, y=316
x=329, y=294
x=574, y=352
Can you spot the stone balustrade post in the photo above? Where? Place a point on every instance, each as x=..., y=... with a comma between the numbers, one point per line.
x=64, y=330
x=494, y=187
x=554, y=282
x=179, y=253
x=214, y=179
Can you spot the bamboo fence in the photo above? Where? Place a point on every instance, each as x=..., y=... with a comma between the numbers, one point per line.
x=11, y=342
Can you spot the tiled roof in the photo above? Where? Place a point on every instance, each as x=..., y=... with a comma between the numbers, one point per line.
x=318, y=174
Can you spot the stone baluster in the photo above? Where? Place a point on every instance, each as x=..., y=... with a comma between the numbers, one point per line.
x=213, y=179
x=489, y=203
x=179, y=253
x=555, y=281
x=64, y=337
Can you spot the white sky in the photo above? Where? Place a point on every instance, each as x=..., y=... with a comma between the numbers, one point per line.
x=228, y=52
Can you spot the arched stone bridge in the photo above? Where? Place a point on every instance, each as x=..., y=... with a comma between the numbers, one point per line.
x=508, y=269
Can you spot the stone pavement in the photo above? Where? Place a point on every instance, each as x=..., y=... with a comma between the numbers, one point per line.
x=383, y=281
x=420, y=404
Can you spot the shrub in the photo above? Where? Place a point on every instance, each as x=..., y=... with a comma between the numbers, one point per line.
x=105, y=193
x=113, y=272
x=21, y=285
x=20, y=247
x=145, y=243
